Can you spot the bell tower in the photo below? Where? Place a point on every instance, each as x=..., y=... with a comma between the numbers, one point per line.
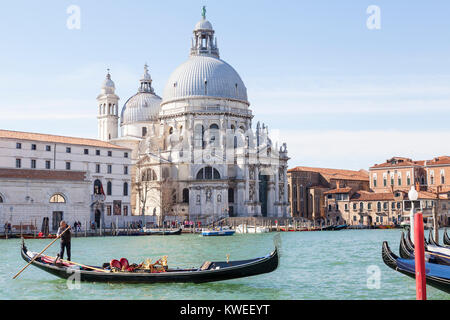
x=108, y=111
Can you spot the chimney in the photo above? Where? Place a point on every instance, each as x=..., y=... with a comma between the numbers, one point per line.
x=417, y=186
x=338, y=184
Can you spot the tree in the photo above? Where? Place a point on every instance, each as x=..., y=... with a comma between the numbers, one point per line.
x=167, y=192
x=142, y=186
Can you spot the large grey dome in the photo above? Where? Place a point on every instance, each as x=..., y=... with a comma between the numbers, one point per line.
x=144, y=105
x=205, y=76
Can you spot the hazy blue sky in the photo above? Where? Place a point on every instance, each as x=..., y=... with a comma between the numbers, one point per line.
x=339, y=94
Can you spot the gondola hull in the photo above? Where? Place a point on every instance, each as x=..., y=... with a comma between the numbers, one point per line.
x=446, y=238
x=437, y=276
x=430, y=256
x=217, y=271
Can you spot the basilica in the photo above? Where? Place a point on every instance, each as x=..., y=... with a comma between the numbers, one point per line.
x=194, y=151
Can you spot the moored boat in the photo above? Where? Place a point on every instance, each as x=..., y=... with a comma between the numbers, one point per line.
x=251, y=229
x=209, y=271
x=220, y=231
x=406, y=252
x=446, y=238
x=437, y=275
x=159, y=232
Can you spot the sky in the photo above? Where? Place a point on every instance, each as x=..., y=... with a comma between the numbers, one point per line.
x=340, y=94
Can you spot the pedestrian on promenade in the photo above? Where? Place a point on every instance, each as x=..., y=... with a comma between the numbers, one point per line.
x=65, y=239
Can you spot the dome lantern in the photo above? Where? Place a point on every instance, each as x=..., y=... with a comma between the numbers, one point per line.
x=204, y=42
x=146, y=81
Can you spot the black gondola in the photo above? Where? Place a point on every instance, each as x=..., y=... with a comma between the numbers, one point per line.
x=208, y=272
x=446, y=238
x=405, y=249
x=431, y=238
x=406, y=252
x=437, y=276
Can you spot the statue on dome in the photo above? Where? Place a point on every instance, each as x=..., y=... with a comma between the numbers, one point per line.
x=204, y=12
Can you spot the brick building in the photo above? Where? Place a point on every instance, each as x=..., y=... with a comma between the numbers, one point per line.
x=308, y=188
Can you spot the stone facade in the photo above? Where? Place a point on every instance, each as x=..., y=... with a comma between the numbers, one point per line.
x=88, y=177
x=195, y=153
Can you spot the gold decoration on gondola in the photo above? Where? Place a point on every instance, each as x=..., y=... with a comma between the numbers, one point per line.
x=228, y=258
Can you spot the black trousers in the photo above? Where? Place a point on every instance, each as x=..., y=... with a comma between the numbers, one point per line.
x=67, y=246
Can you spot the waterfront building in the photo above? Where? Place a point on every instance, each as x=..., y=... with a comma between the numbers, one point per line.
x=195, y=154
x=310, y=187
x=383, y=202
x=52, y=178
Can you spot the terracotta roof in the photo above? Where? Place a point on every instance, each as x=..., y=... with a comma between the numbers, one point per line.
x=372, y=196
x=340, y=174
x=339, y=190
x=56, y=139
x=397, y=162
x=30, y=174
x=442, y=160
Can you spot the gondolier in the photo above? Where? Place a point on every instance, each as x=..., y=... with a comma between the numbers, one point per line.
x=65, y=239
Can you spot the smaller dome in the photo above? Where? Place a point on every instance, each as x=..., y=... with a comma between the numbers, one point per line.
x=143, y=106
x=203, y=25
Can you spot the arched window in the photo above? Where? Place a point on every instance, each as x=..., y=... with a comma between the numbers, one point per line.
x=186, y=195
x=199, y=132
x=125, y=189
x=361, y=206
x=57, y=198
x=1, y=199
x=378, y=206
x=214, y=134
x=231, y=195
x=149, y=175
x=208, y=173
x=109, y=188
x=98, y=188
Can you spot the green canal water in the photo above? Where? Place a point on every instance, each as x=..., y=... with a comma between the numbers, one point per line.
x=313, y=265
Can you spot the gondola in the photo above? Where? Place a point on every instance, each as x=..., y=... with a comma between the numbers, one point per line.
x=437, y=276
x=208, y=272
x=406, y=252
x=446, y=238
x=432, y=242
x=150, y=232
x=428, y=247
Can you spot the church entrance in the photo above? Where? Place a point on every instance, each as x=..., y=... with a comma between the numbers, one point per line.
x=98, y=215
x=263, y=181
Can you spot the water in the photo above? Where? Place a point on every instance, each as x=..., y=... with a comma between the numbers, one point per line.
x=314, y=265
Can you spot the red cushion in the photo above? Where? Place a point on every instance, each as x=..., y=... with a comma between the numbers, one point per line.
x=115, y=263
x=124, y=263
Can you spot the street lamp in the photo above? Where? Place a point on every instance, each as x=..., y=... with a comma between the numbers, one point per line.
x=413, y=195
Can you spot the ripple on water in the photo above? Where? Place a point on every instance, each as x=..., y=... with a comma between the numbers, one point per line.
x=314, y=265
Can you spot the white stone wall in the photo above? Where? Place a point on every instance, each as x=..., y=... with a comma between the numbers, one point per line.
x=79, y=193
x=28, y=202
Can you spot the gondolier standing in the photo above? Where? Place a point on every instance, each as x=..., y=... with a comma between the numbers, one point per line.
x=65, y=239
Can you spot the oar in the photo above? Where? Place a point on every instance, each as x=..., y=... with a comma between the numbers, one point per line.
x=81, y=265
x=36, y=256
